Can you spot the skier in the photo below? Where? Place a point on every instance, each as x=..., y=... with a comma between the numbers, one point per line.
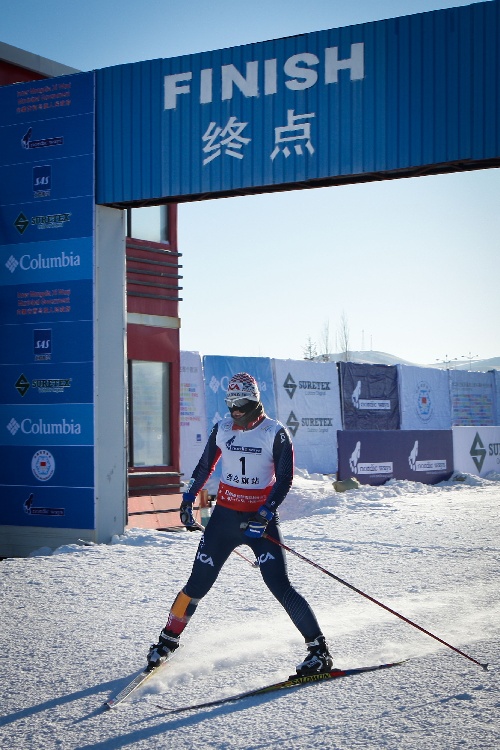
x=257, y=473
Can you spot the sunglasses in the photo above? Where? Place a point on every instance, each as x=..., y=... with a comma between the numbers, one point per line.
x=236, y=403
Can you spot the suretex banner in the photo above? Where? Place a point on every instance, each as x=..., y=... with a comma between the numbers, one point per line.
x=476, y=450
x=308, y=399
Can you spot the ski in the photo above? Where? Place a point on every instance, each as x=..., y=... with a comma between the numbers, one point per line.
x=291, y=682
x=136, y=683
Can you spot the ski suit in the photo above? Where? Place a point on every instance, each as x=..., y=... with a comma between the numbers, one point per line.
x=257, y=468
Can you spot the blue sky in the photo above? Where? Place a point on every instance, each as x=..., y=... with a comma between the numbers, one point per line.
x=411, y=265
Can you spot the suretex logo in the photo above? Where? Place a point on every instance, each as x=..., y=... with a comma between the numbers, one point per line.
x=478, y=452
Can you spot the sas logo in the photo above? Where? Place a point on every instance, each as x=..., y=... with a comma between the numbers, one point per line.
x=42, y=344
x=42, y=181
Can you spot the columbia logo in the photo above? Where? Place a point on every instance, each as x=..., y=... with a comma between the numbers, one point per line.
x=13, y=426
x=214, y=384
x=12, y=264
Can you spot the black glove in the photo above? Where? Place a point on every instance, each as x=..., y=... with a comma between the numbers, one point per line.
x=186, y=511
x=257, y=525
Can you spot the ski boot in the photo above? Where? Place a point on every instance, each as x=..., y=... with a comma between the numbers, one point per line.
x=318, y=660
x=159, y=652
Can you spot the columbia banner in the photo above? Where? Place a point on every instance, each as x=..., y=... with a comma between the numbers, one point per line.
x=369, y=394
x=308, y=399
x=193, y=425
x=424, y=398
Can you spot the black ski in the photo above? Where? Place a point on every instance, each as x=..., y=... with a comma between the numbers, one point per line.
x=136, y=683
x=293, y=681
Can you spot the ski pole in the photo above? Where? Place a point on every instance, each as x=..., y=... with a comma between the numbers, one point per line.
x=375, y=601
x=254, y=564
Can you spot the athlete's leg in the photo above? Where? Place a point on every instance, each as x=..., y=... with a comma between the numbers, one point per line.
x=273, y=568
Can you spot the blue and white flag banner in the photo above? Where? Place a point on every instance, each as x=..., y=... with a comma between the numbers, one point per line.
x=308, y=400
x=370, y=398
x=218, y=372
x=193, y=423
x=472, y=398
x=424, y=398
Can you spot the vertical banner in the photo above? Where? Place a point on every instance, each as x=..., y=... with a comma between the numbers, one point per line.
x=496, y=380
x=308, y=401
x=374, y=456
x=193, y=426
x=46, y=303
x=472, y=398
x=424, y=398
x=369, y=396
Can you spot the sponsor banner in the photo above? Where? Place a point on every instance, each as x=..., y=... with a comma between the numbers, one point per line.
x=45, y=262
x=472, y=398
x=46, y=506
x=47, y=100
x=193, y=418
x=47, y=342
x=496, y=378
x=47, y=383
x=54, y=424
x=47, y=465
x=369, y=394
x=37, y=184
x=375, y=456
x=51, y=221
x=308, y=403
x=218, y=372
x=476, y=450
x=42, y=304
x=424, y=398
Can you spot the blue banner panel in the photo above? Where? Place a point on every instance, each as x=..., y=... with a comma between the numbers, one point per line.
x=369, y=396
x=342, y=105
x=47, y=303
x=46, y=383
x=374, y=457
x=219, y=370
x=50, y=465
x=48, y=507
x=43, y=262
x=43, y=102
x=55, y=424
x=39, y=183
x=52, y=341
x=51, y=302
x=49, y=222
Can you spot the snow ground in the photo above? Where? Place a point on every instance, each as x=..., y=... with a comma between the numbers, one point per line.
x=76, y=624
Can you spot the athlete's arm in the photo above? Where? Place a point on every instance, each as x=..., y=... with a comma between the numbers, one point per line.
x=283, y=469
x=207, y=462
